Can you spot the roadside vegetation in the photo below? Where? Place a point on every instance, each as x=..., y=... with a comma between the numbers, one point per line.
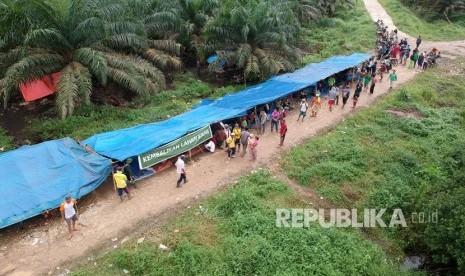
x=6, y=141
x=422, y=19
x=350, y=30
x=406, y=152
x=235, y=233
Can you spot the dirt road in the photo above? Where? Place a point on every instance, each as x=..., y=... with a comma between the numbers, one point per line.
x=449, y=49
x=43, y=250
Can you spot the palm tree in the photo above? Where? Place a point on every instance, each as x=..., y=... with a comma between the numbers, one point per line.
x=183, y=20
x=85, y=40
x=258, y=37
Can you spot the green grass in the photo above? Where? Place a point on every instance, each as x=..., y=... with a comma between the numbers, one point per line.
x=378, y=160
x=413, y=24
x=6, y=141
x=351, y=30
x=237, y=235
x=92, y=119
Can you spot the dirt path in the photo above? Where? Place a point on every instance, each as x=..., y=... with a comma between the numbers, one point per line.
x=43, y=250
x=450, y=49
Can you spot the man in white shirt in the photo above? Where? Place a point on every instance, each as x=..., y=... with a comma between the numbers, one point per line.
x=69, y=214
x=210, y=146
x=181, y=170
x=303, y=109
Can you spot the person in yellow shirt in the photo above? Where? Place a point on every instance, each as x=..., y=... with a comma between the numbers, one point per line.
x=231, y=144
x=237, y=136
x=121, y=183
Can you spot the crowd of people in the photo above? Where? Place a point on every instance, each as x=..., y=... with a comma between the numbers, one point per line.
x=392, y=51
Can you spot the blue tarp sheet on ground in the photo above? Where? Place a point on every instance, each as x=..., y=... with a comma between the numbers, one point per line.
x=129, y=142
x=37, y=178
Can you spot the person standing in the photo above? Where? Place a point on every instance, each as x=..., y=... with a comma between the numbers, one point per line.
x=220, y=137
x=303, y=109
x=421, y=59
x=392, y=78
x=127, y=170
x=382, y=70
x=345, y=96
x=263, y=117
x=245, y=134
x=69, y=213
x=121, y=183
x=283, y=131
x=181, y=170
x=418, y=41
x=415, y=57
x=367, y=81
x=231, y=144
x=373, y=83
x=333, y=93
x=253, y=144
x=331, y=81
x=275, y=119
x=237, y=136
x=316, y=105
x=358, y=88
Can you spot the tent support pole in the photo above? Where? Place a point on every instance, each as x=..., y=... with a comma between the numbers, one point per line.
x=113, y=174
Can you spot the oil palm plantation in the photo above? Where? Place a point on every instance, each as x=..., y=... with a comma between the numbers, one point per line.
x=256, y=36
x=88, y=42
x=182, y=20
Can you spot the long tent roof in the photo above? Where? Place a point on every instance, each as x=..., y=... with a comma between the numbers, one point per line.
x=38, y=177
x=133, y=141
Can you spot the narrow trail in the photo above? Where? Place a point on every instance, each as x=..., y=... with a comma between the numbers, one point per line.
x=44, y=250
x=449, y=49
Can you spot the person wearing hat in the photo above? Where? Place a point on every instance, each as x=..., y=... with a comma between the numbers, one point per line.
x=69, y=213
x=121, y=183
x=181, y=170
x=316, y=105
x=231, y=144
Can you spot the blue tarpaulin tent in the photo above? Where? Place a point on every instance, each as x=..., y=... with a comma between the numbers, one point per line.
x=129, y=142
x=38, y=177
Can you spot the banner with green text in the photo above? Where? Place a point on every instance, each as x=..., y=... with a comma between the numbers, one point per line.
x=174, y=148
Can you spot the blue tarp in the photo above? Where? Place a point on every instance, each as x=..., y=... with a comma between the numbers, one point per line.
x=130, y=142
x=38, y=177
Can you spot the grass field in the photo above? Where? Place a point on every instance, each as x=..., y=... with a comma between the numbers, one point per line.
x=415, y=24
x=351, y=30
x=406, y=152
x=234, y=233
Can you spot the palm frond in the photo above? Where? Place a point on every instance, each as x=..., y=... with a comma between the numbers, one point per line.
x=48, y=39
x=67, y=90
x=95, y=61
